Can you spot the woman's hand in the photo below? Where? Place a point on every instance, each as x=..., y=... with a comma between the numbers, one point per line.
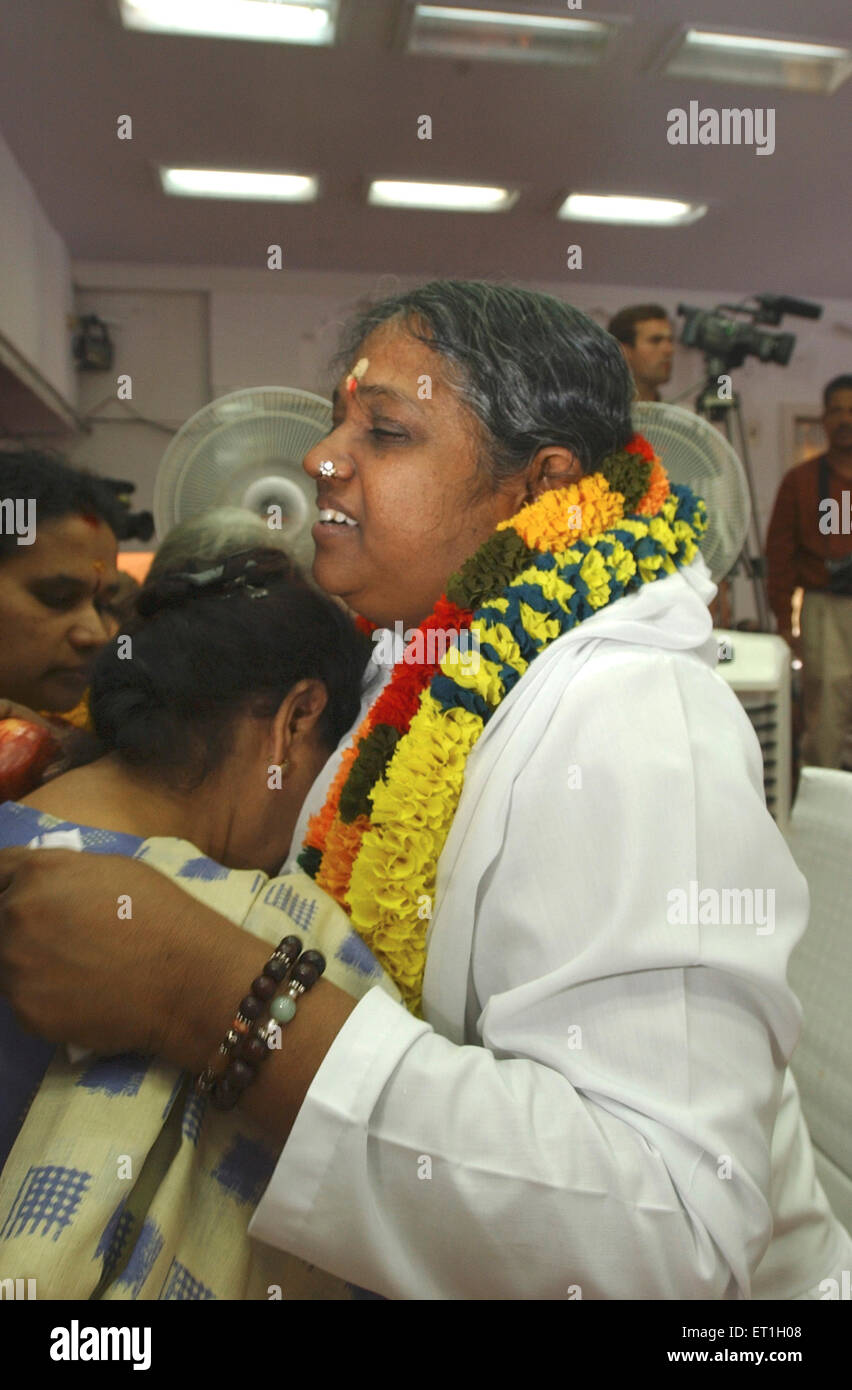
x=9, y=710
x=106, y=952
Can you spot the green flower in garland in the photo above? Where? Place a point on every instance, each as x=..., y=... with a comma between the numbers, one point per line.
x=310, y=859
x=494, y=565
x=375, y=754
x=629, y=475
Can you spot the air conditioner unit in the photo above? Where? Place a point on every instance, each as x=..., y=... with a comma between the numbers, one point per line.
x=756, y=666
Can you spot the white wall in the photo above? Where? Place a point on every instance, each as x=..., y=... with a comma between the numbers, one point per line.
x=188, y=334
x=161, y=343
x=35, y=281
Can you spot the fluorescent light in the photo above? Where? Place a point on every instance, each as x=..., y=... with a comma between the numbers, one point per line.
x=233, y=183
x=447, y=31
x=613, y=207
x=269, y=21
x=450, y=14
x=785, y=48
x=454, y=197
x=761, y=60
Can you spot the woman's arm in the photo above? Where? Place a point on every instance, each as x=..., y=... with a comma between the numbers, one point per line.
x=165, y=981
x=612, y=1136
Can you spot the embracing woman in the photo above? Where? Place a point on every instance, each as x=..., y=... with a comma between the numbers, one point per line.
x=584, y=1096
x=211, y=716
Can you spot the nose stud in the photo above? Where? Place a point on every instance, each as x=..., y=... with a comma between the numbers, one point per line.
x=327, y=469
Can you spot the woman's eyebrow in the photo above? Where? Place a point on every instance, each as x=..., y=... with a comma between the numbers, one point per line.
x=70, y=580
x=377, y=392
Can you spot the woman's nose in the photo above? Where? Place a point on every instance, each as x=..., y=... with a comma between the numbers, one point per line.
x=93, y=631
x=325, y=461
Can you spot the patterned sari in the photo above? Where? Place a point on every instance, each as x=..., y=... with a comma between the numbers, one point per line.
x=122, y=1183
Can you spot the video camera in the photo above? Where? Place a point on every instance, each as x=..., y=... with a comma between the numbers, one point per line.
x=727, y=341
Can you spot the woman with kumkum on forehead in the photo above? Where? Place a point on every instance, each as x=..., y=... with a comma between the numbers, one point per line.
x=547, y=1110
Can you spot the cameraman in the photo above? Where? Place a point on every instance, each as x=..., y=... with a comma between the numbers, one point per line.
x=647, y=341
x=811, y=545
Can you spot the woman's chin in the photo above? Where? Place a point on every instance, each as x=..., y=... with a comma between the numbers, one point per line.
x=334, y=577
x=56, y=698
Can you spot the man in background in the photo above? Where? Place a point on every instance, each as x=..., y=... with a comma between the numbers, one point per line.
x=809, y=545
x=647, y=341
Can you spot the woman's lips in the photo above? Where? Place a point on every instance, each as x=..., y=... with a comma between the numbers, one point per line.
x=70, y=675
x=333, y=530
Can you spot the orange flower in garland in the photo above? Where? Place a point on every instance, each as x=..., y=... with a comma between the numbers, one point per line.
x=341, y=849
x=639, y=445
x=559, y=516
x=658, y=490
x=319, y=824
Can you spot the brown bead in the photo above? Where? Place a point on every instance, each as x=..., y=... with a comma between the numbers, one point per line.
x=264, y=987
x=239, y=1074
x=306, y=973
x=315, y=958
x=251, y=1007
x=253, y=1050
x=224, y=1096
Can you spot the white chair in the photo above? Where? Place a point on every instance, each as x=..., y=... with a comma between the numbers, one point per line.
x=820, y=973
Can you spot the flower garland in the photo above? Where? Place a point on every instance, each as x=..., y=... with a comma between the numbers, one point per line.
x=376, y=842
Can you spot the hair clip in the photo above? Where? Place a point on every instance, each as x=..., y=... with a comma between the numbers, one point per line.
x=236, y=571
x=202, y=579
x=356, y=374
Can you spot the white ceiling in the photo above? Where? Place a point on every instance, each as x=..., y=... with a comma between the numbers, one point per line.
x=779, y=222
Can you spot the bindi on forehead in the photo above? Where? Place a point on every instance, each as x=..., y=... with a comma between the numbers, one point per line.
x=356, y=374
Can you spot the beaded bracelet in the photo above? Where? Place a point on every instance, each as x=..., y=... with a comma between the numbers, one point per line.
x=247, y=1042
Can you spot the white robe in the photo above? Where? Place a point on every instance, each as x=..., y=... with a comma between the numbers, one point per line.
x=598, y=1103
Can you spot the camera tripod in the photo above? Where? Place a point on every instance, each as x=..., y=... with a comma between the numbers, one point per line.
x=727, y=412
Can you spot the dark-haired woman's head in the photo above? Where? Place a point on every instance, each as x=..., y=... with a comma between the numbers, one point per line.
x=475, y=399
x=238, y=683
x=58, y=578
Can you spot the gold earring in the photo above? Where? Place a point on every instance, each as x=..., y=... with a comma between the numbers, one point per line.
x=282, y=769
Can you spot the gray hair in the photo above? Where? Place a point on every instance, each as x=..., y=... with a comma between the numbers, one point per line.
x=206, y=538
x=533, y=370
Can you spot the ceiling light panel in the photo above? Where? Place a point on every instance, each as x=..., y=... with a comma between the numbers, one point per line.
x=629, y=211
x=448, y=197
x=760, y=60
x=238, y=185
x=504, y=35
x=266, y=21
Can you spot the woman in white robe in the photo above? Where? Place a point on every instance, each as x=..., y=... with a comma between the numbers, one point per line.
x=597, y=1101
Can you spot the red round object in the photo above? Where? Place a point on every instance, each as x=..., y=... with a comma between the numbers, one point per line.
x=25, y=751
